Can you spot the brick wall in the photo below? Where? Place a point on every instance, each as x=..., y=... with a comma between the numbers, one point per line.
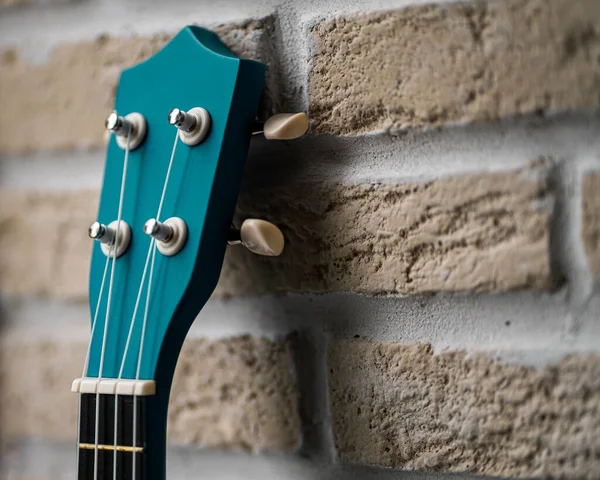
x=437, y=306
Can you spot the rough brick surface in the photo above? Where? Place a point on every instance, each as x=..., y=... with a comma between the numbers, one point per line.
x=238, y=393
x=434, y=65
x=590, y=222
x=403, y=406
x=35, y=394
x=233, y=393
x=79, y=81
x=44, y=247
x=481, y=232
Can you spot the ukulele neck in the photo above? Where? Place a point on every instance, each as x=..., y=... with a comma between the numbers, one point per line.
x=133, y=440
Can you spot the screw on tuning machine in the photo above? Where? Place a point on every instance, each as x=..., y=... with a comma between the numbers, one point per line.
x=193, y=125
x=258, y=236
x=106, y=235
x=283, y=126
x=132, y=126
x=170, y=235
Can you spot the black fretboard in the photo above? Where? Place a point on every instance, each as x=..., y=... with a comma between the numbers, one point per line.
x=126, y=451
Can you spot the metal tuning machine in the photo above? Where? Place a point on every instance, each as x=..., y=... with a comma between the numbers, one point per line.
x=193, y=125
x=107, y=234
x=132, y=127
x=170, y=235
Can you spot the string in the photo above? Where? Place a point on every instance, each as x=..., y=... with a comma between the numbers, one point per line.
x=139, y=294
x=135, y=309
x=87, y=355
x=148, y=295
x=137, y=373
x=108, y=304
x=162, y=197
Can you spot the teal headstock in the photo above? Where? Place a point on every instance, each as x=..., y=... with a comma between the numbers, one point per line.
x=194, y=70
x=166, y=206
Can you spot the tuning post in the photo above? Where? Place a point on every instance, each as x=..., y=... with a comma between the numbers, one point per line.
x=258, y=236
x=170, y=235
x=102, y=233
x=193, y=125
x=132, y=127
x=107, y=234
x=118, y=125
x=157, y=230
x=283, y=126
x=182, y=120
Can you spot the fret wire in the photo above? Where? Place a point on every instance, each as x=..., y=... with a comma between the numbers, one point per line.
x=106, y=464
x=118, y=448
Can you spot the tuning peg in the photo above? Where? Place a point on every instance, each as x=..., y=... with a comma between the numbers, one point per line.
x=258, y=236
x=192, y=125
x=182, y=120
x=170, y=236
x=118, y=125
x=283, y=126
x=132, y=126
x=158, y=230
x=102, y=233
x=106, y=235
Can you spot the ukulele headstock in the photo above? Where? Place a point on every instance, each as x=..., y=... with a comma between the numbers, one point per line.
x=177, y=194
x=181, y=130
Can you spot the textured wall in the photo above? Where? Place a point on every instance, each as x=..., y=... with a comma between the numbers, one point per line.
x=436, y=308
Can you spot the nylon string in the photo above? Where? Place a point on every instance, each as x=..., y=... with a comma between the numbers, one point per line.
x=148, y=295
x=135, y=309
x=151, y=253
x=87, y=355
x=108, y=304
x=143, y=279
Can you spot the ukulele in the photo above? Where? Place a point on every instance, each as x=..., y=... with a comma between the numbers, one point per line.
x=173, y=170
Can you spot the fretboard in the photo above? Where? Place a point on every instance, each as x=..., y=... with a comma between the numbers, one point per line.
x=126, y=449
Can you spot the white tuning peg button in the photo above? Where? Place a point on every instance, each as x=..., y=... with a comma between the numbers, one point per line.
x=285, y=126
x=260, y=237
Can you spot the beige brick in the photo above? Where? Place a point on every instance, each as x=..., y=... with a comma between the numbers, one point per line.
x=231, y=393
x=237, y=393
x=44, y=247
x=35, y=392
x=590, y=222
x=402, y=406
x=434, y=65
x=79, y=81
x=479, y=232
